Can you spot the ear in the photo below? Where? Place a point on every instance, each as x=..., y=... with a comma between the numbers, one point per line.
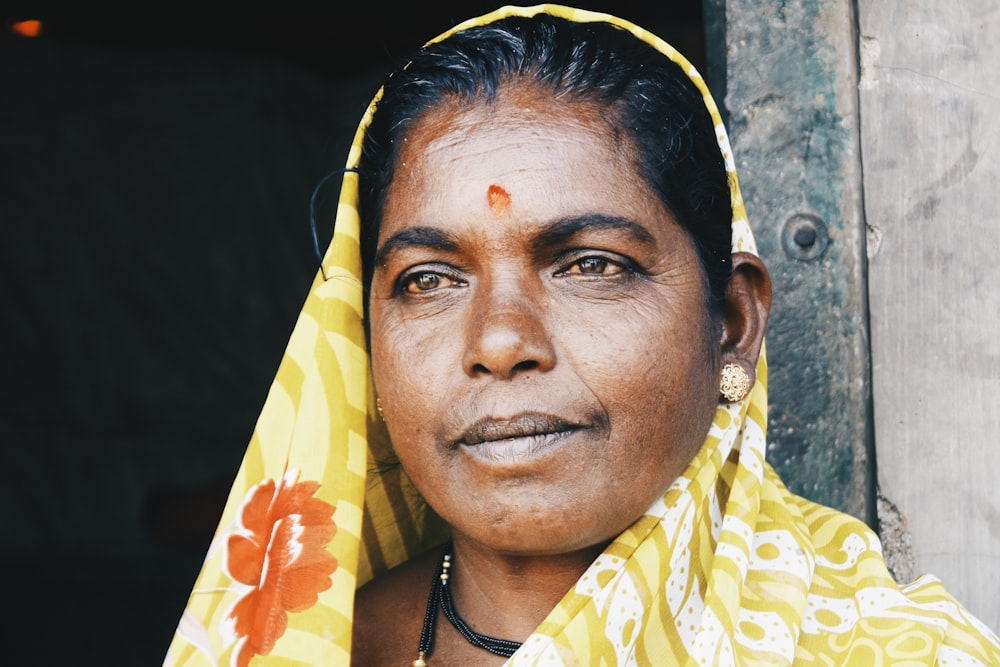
x=744, y=317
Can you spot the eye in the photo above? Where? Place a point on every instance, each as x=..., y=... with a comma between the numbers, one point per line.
x=426, y=281
x=595, y=266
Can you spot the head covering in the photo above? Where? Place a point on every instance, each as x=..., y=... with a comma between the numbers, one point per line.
x=728, y=567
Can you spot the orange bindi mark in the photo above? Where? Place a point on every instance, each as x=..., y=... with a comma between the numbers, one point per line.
x=499, y=200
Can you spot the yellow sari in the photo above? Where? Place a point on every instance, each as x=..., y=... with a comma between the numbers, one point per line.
x=728, y=567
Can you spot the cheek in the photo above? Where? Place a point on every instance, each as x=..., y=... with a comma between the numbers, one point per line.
x=660, y=390
x=397, y=344
x=410, y=370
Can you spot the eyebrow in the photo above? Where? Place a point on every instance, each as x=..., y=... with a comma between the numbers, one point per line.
x=552, y=233
x=564, y=228
x=416, y=237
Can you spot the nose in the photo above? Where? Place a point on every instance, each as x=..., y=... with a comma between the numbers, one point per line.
x=507, y=336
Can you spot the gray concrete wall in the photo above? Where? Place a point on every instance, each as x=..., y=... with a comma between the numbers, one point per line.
x=929, y=94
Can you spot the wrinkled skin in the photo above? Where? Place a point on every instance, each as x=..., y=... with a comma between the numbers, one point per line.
x=546, y=369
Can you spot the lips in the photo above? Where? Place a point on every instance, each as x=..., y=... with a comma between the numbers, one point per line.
x=530, y=425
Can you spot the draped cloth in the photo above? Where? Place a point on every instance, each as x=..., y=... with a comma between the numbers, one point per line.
x=728, y=567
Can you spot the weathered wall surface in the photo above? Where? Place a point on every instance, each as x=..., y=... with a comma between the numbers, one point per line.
x=929, y=96
x=789, y=82
x=876, y=123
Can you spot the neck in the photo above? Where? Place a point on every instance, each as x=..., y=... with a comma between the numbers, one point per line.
x=506, y=595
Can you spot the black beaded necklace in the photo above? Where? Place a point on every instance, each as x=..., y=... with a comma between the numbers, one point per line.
x=440, y=595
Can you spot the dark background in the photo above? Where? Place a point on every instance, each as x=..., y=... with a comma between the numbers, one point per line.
x=156, y=171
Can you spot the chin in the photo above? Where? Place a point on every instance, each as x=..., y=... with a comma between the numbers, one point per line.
x=517, y=532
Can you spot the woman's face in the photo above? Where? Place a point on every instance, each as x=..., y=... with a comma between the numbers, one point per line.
x=539, y=334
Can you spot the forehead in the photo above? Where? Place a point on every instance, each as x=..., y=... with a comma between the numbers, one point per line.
x=551, y=157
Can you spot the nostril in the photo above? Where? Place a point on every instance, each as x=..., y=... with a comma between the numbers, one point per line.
x=526, y=365
x=520, y=367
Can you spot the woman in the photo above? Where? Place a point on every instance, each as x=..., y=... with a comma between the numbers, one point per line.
x=542, y=250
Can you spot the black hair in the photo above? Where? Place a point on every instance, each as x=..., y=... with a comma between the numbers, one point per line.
x=649, y=99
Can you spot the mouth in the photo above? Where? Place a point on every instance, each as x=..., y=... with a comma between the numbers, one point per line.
x=522, y=436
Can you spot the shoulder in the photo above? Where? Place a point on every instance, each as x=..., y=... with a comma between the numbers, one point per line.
x=389, y=613
x=842, y=550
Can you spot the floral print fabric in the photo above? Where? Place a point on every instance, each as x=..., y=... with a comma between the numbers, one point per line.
x=727, y=568
x=279, y=552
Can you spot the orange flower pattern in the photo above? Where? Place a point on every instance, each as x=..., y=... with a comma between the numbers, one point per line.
x=280, y=551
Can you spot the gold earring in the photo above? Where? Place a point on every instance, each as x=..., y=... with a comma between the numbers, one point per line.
x=378, y=406
x=735, y=383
